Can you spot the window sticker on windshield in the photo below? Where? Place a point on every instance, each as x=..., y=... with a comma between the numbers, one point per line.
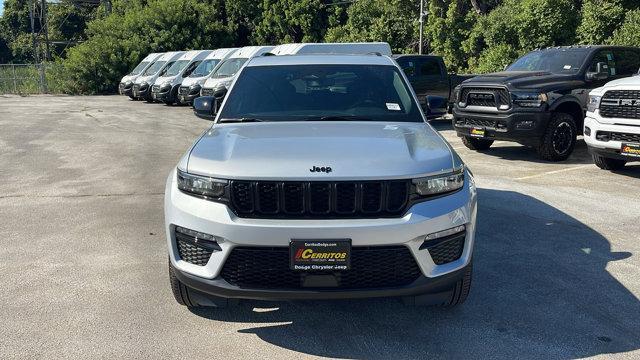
x=610, y=57
x=612, y=71
x=393, y=106
x=567, y=67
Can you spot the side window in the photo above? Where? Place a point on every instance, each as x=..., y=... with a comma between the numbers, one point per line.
x=166, y=67
x=627, y=61
x=604, y=56
x=430, y=67
x=409, y=67
x=190, y=68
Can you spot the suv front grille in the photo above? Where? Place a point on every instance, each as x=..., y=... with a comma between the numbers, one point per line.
x=319, y=199
x=371, y=267
x=623, y=104
x=488, y=97
x=183, y=90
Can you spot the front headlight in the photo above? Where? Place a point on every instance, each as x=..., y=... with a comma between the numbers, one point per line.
x=533, y=99
x=440, y=184
x=594, y=103
x=201, y=185
x=456, y=94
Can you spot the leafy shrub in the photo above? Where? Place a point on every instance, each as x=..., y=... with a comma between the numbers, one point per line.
x=599, y=20
x=629, y=33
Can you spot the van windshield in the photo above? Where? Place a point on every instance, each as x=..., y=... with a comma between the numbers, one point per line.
x=205, y=68
x=177, y=67
x=555, y=61
x=138, y=69
x=155, y=67
x=321, y=93
x=229, y=68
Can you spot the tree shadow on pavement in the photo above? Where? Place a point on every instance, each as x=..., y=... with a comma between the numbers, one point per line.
x=540, y=290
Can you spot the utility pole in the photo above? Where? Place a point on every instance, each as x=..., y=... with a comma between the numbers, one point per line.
x=423, y=14
x=32, y=9
x=44, y=25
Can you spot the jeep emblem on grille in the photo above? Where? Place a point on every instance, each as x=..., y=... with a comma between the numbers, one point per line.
x=324, y=169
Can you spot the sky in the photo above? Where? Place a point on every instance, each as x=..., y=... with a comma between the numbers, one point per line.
x=1, y=6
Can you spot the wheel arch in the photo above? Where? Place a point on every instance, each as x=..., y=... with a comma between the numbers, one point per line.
x=573, y=108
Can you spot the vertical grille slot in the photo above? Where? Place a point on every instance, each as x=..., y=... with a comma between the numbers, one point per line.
x=293, y=198
x=397, y=195
x=371, y=197
x=319, y=198
x=242, y=196
x=268, y=197
x=345, y=198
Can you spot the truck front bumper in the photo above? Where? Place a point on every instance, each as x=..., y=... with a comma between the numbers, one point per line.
x=406, y=233
x=606, y=138
x=525, y=127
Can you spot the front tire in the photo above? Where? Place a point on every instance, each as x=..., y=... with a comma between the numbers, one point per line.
x=476, y=143
x=605, y=163
x=180, y=292
x=559, y=138
x=461, y=289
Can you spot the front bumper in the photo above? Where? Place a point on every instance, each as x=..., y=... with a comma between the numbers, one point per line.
x=523, y=126
x=186, y=95
x=142, y=92
x=160, y=94
x=610, y=148
x=125, y=89
x=421, y=219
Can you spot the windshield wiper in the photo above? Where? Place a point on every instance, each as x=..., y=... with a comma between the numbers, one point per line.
x=337, y=118
x=239, y=120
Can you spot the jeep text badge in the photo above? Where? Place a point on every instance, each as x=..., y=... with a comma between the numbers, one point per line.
x=324, y=169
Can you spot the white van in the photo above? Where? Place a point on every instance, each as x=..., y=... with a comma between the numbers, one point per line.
x=165, y=88
x=126, y=84
x=142, y=84
x=225, y=73
x=191, y=85
x=364, y=48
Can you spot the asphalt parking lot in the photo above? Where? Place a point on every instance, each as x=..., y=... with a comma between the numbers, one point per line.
x=84, y=264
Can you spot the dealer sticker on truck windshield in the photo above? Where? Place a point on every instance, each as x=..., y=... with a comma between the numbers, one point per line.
x=320, y=255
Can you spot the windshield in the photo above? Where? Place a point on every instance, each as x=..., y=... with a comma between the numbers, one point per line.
x=138, y=69
x=205, y=68
x=155, y=67
x=229, y=68
x=177, y=67
x=556, y=61
x=321, y=92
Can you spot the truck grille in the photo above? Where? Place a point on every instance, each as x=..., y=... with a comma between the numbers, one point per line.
x=183, y=90
x=488, y=97
x=319, y=199
x=623, y=104
x=476, y=122
x=207, y=92
x=371, y=267
x=618, y=136
x=155, y=88
x=136, y=87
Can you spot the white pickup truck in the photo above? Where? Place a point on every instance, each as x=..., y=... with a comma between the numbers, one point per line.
x=612, y=125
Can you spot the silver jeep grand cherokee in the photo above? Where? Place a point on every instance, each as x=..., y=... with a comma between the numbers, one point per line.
x=320, y=179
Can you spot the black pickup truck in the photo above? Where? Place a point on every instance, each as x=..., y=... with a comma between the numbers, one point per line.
x=431, y=82
x=540, y=99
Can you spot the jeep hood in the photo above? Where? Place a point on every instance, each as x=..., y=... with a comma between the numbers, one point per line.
x=288, y=150
x=525, y=80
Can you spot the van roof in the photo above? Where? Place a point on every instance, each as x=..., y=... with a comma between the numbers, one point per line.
x=152, y=56
x=171, y=55
x=251, y=51
x=320, y=59
x=362, y=48
x=191, y=54
x=221, y=53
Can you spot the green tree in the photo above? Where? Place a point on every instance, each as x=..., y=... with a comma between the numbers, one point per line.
x=600, y=18
x=629, y=33
x=393, y=21
x=284, y=21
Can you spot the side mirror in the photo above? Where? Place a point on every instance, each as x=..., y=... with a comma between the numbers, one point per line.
x=218, y=95
x=602, y=72
x=203, y=107
x=437, y=106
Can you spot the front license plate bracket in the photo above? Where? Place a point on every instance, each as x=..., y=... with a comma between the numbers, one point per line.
x=320, y=255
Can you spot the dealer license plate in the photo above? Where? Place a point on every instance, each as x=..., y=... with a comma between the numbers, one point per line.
x=630, y=150
x=320, y=255
x=477, y=132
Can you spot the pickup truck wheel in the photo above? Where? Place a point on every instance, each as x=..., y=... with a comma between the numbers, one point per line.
x=476, y=143
x=461, y=289
x=559, y=138
x=608, y=163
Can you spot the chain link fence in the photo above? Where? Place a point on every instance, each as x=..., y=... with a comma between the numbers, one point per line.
x=28, y=79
